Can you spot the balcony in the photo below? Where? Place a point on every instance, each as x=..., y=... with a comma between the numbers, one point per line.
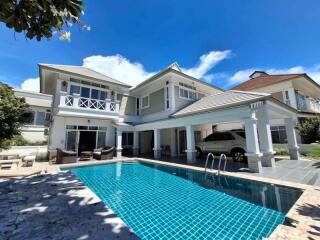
x=308, y=104
x=75, y=101
x=312, y=105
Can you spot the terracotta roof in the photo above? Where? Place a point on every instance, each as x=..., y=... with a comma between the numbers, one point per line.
x=264, y=80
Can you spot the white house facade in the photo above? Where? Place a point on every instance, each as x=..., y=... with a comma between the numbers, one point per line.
x=170, y=109
x=40, y=105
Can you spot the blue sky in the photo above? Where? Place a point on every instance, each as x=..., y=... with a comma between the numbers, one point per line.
x=221, y=42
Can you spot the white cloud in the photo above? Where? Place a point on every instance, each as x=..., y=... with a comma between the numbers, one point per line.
x=118, y=67
x=31, y=84
x=243, y=75
x=133, y=73
x=206, y=63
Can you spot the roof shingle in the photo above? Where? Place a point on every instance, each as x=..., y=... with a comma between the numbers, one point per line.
x=264, y=80
x=84, y=71
x=221, y=100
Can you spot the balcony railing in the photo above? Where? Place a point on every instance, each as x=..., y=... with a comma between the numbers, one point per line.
x=312, y=105
x=89, y=103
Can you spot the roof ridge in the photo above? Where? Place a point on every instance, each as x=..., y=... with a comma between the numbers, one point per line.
x=249, y=92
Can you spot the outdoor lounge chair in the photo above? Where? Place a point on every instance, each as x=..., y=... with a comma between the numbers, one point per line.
x=64, y=156
x=103, y=153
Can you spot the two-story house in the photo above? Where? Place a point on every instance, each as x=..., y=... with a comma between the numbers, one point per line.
x=170, y=109
x=296, y=90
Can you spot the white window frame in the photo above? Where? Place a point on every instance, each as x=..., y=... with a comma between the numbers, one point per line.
x=141, y=102
x=189, y=90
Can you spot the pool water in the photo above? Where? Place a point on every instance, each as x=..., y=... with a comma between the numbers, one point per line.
x=161, y=202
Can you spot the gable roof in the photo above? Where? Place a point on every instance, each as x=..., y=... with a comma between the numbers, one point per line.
x=175, y=68
x=265, y=80
x=83, y=71
x=221, y=100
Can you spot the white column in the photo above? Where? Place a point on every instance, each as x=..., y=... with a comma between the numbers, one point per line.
x=172, y=96
x=157, y=148
x=191, y=150
x=265, y=138
x=119, y=143
x=253, y=151
x=135, y=143
x=62, y=99
x=173, y=142
x=292, y=139
x=76, y=98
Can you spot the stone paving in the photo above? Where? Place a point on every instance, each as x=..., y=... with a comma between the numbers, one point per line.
x=58, y=206
x=55, y=206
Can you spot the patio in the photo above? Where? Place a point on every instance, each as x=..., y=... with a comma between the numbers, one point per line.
x=303, y=171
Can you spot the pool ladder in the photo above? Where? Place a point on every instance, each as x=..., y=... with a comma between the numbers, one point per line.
x=222, y=157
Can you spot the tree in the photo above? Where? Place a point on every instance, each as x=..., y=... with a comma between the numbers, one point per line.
x=14, y=112
x=309, y=130
x=41, y=18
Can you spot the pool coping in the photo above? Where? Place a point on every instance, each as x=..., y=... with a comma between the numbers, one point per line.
x=304, y=224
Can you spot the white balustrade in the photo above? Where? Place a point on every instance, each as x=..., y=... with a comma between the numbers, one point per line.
x=76, y=101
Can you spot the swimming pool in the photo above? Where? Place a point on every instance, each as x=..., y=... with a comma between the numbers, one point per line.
x=162, y=202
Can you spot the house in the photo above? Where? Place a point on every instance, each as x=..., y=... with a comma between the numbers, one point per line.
x=298, y=91
x=40, y=105
x=169, y=109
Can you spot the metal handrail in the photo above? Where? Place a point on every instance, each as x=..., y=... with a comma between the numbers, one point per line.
x=206, y=164
x=225, y=163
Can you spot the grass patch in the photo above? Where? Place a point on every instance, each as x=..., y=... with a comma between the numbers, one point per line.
x=282, y=151
x=314, y=152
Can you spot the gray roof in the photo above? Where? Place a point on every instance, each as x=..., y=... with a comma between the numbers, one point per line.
x=221, y=100
x=84, y=71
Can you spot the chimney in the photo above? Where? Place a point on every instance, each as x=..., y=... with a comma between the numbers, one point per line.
x=256, y=74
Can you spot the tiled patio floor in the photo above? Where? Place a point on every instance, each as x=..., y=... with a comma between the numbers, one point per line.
x=300, y=171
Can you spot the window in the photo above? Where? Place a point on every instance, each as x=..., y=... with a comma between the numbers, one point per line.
x=188, y=94
x=197, y=136
x=101, y=139
x=279, y=134
x=74, y=89
x=241, y=134
x=167, y=98
x=219, y=136
x=40, y=118
x=94, y=94
x=85, y=92
x=145, y=102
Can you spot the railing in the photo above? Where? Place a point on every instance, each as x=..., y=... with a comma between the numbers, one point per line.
x=312, y=105
x=88, y=103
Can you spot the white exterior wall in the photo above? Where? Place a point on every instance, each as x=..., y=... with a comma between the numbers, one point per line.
x=34, y=133
x=58, y=129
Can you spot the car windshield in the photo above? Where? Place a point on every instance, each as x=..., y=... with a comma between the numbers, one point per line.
x=241, y=134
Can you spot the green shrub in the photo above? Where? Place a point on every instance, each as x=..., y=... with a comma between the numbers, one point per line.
x=18, y=140
x=309, y=130
x=282, y=151
x=314, y=152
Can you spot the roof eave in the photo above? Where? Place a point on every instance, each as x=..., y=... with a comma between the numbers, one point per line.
x=43, y=66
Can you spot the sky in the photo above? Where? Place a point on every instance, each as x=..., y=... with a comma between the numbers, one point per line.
x=220, y=42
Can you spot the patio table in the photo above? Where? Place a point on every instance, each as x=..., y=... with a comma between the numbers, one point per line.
x=86, y=155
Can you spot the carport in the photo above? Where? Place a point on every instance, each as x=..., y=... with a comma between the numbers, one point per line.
x=254, y=110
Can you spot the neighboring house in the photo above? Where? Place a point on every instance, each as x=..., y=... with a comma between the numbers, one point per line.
x=170, y=110
x=40, y=106
x=296, y=90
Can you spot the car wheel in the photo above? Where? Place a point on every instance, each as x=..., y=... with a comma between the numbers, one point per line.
x=199, y=152
x=238, y=155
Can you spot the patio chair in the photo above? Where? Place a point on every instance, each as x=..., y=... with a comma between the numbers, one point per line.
x=103, y=153
x=9, y=164
x=64, y=156
x=28, y=161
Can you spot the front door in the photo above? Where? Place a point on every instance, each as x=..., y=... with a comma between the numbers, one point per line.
x=87, y=141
